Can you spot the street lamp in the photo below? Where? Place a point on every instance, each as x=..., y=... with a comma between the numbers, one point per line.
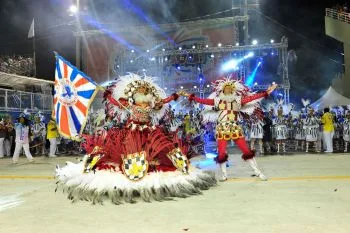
x=73, y=9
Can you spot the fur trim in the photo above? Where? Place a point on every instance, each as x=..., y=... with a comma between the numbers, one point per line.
x=101, y=185
x=216, y=159
x=250, y=155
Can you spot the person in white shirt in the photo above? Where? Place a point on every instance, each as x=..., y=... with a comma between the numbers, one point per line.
x=22, y=139
x=257, y=134
x=346, y=132
x=311, y=126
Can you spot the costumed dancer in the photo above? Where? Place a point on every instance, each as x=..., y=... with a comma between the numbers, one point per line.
x=337, y=131
x=188, y=127
x=39, y=134
x=137, y=160
x=299, y=131
x=230, y=98
x=280, y=130
x=257, y=134
x=245, y=124
x=346, y=132
x=22, y=138
x=289, y=119
x=311, y=126
x=194, y=134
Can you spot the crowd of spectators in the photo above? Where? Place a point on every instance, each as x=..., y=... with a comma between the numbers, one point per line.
x=36, y=137
x=341, y=8
x=17, y=64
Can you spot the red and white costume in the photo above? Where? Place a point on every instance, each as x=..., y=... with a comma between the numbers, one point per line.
x=228, y=109
x=137, y=160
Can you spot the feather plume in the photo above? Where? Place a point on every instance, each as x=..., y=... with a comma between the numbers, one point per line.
x=305, y=102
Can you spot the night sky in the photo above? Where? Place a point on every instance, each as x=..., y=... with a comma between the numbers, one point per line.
x=319, y=56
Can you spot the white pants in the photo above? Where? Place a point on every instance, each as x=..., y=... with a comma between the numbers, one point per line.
x=8, y=144
x=18, y=148
x=2, y=147
x=328, y=139
x=53, y=146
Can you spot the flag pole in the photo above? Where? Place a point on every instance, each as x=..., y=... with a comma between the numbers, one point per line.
x=34, y=57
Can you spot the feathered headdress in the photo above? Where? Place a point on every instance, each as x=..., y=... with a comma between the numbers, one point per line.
x=237, y=85
x=306, y=102
x=210, y=115
x=280, y=106
x=40, y=115
x=24, y=114
x=126, y=86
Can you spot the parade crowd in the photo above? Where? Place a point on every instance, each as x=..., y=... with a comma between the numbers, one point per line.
x=35, y=138
x=275, y=132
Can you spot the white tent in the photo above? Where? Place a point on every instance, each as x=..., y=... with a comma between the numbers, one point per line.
x=331, y=98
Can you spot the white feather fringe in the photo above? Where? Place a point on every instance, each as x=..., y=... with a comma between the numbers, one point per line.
x=102, y=185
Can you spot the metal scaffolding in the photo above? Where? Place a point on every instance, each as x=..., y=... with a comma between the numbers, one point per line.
x=156, y=61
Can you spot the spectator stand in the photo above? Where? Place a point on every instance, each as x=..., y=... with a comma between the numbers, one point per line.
x=18, y=93
x=339, y=15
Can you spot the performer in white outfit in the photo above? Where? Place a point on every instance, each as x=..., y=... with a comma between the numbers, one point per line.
x=299, y=132
x=257, y=134
x=280, y=130
x=346, y=132
x=312, y=124
x=39, y=133
x=22, y=139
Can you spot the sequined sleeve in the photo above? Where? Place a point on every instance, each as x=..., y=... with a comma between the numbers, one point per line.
x=200, y=100
x=174, y=96
x=251, y=98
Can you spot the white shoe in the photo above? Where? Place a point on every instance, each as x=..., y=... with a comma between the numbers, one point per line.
x=223, y=179
x=14, y=161
x=328, y=151
x=52, y=156
x=262, y=177
x=31, y=160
